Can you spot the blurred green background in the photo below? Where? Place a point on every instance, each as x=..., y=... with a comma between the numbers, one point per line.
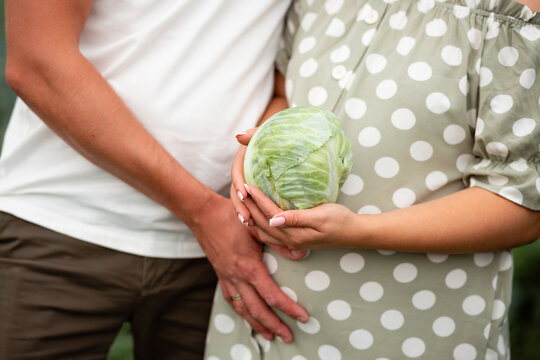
x=524, y=311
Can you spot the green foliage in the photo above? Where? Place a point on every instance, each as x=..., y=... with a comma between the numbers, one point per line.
x=122, y=347
x=6, y=95
x=525, y=308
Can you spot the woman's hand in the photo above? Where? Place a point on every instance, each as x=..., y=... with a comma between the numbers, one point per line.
x=324, y=226
x=238, y=191
x=239, y=194
x=443, y=225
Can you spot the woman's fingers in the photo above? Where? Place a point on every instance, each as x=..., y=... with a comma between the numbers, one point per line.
x=269, y=240
x=280, y=240
x=288, y=253
x=238, y=191
x=244, y=137
x=262, y=210
x=263, y=202
x=310, y=219
x=261, y=221
x=241, y=209
x=292, y=218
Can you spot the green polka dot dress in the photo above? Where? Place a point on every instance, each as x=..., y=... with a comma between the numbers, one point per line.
x=435, y=96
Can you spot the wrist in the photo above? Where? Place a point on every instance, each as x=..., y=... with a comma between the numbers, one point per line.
x=196, y=215
x=361, y=231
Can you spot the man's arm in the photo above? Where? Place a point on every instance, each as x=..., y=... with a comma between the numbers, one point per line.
x=46, y=69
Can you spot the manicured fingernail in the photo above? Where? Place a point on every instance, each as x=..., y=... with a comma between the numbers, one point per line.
x=241, y=218
x=240, y=134
x=308, y=252
x=275, y=222
x=247, y=188
x=240, y=196
x=297, y=253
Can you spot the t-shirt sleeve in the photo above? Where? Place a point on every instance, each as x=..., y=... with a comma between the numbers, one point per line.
x=292, y=22
x=507, y=134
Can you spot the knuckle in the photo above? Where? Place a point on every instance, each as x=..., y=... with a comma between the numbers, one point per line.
x=257, y=313
x=238, y=308
x=272, y=299
x=245, y=267
x=294, y=219
x=294, y=244
x=229, y=273
x=324, y=219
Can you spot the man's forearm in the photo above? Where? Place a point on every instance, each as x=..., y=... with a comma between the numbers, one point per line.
x=75, y=101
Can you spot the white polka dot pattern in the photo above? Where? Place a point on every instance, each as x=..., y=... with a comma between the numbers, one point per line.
x=371, y=291
x=339, y=310
x=317, y=280
x=392, y=319
x=313, y=326
x=361, y=339
x=432, y=96
x=444, y=326
x=424, y=299
x=413, y=347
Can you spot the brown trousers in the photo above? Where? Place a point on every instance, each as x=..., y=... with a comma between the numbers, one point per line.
x=62, y=298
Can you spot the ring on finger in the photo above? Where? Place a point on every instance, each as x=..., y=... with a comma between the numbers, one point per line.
x=236, y=297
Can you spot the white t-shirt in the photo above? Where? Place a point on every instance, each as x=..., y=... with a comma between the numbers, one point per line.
x=194, y=72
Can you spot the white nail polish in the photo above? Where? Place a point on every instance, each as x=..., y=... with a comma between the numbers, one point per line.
x=240, y=196
x=241, y=218
x=275, y=222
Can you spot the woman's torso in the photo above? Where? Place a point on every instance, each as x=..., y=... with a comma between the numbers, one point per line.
x=414, y=83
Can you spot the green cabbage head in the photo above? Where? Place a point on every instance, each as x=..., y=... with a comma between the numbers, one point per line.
x=299, y=158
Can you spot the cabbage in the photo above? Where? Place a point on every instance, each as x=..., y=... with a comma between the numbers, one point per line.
x=299, y=158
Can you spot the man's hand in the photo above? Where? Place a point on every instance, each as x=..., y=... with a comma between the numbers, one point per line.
x=237, y=260
x=75, y=101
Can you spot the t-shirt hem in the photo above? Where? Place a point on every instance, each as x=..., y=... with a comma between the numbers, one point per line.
x=82, y=232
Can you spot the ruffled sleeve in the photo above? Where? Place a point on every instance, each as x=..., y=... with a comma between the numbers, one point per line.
x=507, y=134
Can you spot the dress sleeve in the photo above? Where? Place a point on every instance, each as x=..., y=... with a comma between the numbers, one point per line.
x=507, y=134
x=292, y=22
